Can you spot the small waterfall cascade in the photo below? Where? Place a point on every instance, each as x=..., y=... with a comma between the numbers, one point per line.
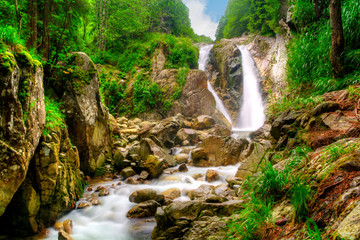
x=203, y=61
x=252, y=115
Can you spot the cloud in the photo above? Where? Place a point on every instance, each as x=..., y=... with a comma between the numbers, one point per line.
x=200, y=21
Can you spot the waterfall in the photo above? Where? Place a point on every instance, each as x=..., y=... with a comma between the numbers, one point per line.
x=203, y=61
x=252, y=115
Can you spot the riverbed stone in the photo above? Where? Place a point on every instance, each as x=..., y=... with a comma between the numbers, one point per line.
x=143, y=209
x=183, y=168
x=186, y=134
x=171, y=193
x=143, y=195
x=68, y=226
x=203, y=122
x=62, y=235
x=127, y=172
x=181, y=158
x=211, y=175
x=154, y=166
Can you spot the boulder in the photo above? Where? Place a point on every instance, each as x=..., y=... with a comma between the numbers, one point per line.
x=251, y=164
x=127, y=172
x=165, y=131
x=22, y=114
x=86, y=117
x=68, y=226
x=154, y=166
x=181, y=158
x=203, y=122
x=202, y=191
x=218, y=151
x=195, y=99
x=62, y=235
x=349, y=228
x=171, y=193
x=183, y=168
x=186, y=134
x=149, y=147
x=143, y=195
x=143, y=210
x=211, y=175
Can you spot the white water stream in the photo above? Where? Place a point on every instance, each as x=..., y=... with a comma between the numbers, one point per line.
x=108, y=221
x=252, y=115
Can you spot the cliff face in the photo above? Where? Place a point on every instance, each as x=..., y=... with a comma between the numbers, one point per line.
x=40, y=176
x=22, y=118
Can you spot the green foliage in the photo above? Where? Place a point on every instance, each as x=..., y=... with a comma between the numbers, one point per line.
x=302, y=13
x=313, y=233
x=9, y=35
x=299, y=197
x=182, y=53
x=54, y=117
x=248, y=222
x=146, y=94
x=254, y=16
x=334, y=151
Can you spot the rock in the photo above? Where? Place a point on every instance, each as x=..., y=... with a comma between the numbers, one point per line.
x=143, y=210
x=64, y=236
x=154, y=166
x=338, y=122
x=104, y=192
x=218, y=151
x=349, y=228
x=119, y=157
x=143, y=195
x=86, y=117
x=144, y=175
x=149, y=147
x=211, y=175
x=132, y=181
x=168, y=217
x=22, y=114
x=198, y=154
x=68, y=226
x=114, y=126
x=250, y=165
x=127, y=172
x=181, y=158
x=203, y=122
x=58, y=226
x=234, y=181
x=94, y=201
x=183, y=168
x=214, y=228
x=202, y=191
x=171, y=193
x=83, y=205
x=226, y=62
x=186, y=134
x=165, y=131
x=212, y=198
x=286, y=118
x=195, y=99
x=325, y=107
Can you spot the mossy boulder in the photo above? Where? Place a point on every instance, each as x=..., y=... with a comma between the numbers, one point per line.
x=22, y=110
x=87, y=118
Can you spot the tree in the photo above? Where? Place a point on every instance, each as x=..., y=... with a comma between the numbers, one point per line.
x=32, y=11
x=337, y=38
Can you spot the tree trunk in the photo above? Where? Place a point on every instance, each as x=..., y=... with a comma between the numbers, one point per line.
x=18, y=16
x=32, y=11
x=337, y=37
x=46, y=31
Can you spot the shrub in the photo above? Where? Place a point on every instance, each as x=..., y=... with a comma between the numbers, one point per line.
x=9, y=36
x=54, y=117
x=299, y=197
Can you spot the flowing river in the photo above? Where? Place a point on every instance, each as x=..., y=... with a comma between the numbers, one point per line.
x=108, y=220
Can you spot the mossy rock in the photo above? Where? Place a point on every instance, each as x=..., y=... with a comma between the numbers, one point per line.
x=37, y=64
x=7, y=63
x=23, y=57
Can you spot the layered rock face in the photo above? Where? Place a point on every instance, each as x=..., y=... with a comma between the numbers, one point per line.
x=225, y=74
x=22, y=119
x=52, y=186
x=86, y=117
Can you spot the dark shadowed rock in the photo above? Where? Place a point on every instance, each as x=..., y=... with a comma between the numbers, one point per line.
x=143, y=210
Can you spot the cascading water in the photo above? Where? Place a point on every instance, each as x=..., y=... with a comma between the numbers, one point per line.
x=252, y=115
x=203, y=61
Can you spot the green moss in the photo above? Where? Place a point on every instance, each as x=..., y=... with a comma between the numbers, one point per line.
x=7, y=62
x=37, y=64
x=23, y=58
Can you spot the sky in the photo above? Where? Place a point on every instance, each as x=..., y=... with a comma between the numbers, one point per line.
x=205, y=15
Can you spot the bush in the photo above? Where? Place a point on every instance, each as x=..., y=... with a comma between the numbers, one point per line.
x=9, y=36
x=54, y=117
x=299, y=197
